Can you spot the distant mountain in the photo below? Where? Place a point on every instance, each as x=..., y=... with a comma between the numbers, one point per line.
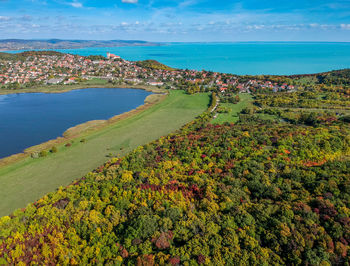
x=19, y=44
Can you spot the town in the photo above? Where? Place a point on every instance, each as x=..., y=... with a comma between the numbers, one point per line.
x=46, y=68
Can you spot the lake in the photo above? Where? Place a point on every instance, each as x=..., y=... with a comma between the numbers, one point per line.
x=254, y=58
x=28, y=119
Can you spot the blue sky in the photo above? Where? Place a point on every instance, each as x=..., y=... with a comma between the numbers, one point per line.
x=182, y=20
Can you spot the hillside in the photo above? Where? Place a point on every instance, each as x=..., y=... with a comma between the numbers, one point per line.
x=254, y=193
x=335, y=77
x=153, y=64
x=7, y=56
x=24, y=55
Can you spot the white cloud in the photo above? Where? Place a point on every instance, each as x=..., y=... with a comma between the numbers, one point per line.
x=130, y=1
x=76, y=4
x=187, y=3
x=3, y=18
x=345, y=26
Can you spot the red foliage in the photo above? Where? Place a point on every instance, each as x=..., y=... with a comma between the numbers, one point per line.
x=229, y=165
x=345, y=221
x=201, y=259
x=162, y=242
x=100, y=169
x=145, y=260
x=311, y=164
x=342, y=240
x=326, y=208
x=61, y=204
x=174, y=260
x=191, y=191
x=326, y=217
x=330, y=245
x=124, y=253
x=117, y=162
x=341, y=249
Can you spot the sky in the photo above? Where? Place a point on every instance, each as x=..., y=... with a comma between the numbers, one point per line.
x=177, y=21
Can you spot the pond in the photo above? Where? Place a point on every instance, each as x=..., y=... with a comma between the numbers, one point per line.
x=28, y=119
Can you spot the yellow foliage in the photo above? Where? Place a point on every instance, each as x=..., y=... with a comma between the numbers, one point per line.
x=114, y=160
x=285, y=231
x=17, y=252
x=46, y=251
x=126, y=176
x=345, y=210
x=94, y=216
x=83, y=204
x=4, y=220
x=245, y=134
x=73, y=262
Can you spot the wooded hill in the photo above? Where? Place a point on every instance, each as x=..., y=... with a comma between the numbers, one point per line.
x=153, y=64
x=24, y=55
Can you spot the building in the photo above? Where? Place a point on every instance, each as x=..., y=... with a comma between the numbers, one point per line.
x=155, y=83
x=112, y=56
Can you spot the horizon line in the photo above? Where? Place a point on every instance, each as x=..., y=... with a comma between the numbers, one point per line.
x=146, y=41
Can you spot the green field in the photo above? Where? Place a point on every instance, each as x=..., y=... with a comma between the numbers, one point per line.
x=28, y=180
x=232, y=116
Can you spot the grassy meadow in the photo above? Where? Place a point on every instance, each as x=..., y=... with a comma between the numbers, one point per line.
x=232, y=116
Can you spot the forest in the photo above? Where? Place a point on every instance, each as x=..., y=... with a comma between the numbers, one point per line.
x=256, y=192
x=153, y=64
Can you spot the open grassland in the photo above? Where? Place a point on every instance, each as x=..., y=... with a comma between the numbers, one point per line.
x=235, y=109
x=29, y=179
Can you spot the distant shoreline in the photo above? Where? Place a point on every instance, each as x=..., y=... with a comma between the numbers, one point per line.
x=52, y=44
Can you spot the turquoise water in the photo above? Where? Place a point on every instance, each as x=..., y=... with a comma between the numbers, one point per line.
x=239, y=58
x=28, y=119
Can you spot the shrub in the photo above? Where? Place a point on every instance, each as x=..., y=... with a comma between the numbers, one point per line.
x=35, y=155
x=247, y=111
x=54, y=149
x=222, y=109
x=43, y=154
